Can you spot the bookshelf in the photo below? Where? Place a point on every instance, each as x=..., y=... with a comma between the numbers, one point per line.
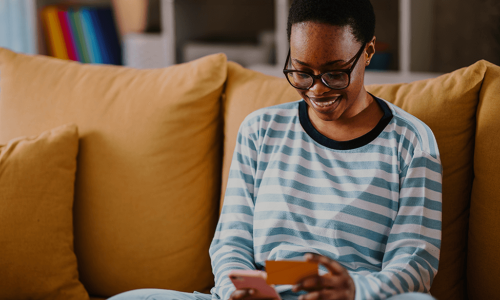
x=136, y=46
x=404, y=25
x=81, y=30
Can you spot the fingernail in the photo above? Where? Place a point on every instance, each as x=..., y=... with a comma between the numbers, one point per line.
x=251, y=292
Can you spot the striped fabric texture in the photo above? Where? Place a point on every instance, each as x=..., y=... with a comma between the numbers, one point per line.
x=373, y=205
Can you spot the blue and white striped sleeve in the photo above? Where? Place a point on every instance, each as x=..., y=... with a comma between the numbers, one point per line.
x=232, y=246
x=411, y=256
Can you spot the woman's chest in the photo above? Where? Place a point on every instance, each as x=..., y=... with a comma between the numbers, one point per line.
x=322, y=188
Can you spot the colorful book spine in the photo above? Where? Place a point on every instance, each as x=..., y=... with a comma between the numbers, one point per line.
x=54, y=32
x=75, y=35
x=110, y=31
x=88, y=35
x=99, y=33
x=67, y=34
x=78, y=23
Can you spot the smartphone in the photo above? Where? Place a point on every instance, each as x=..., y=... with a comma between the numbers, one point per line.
x=253, y=279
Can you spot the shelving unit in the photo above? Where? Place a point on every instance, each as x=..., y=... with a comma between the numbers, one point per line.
x=153, y=50
x=414, y=36
x=411, y=45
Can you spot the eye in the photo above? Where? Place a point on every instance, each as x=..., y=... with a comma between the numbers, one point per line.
x=302, y=75
x=334, y=76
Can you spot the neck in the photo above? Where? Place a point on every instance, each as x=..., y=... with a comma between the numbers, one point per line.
x=360, y=118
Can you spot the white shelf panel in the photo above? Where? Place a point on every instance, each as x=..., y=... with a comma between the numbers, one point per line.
x=281, y=18
x=404, y=35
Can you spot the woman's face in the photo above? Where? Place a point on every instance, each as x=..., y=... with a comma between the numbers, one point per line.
x=317, y=48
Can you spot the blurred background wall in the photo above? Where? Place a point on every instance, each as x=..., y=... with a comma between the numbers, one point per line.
x=443, y=35
x=465, y=31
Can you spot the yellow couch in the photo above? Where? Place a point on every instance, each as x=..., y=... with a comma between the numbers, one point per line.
x=140, y=175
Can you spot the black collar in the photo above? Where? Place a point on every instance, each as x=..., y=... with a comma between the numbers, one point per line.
x=345, y=145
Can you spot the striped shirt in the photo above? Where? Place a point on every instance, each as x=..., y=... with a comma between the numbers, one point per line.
x=373, y=203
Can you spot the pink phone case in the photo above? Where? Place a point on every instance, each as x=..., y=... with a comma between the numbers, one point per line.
x=253, y=279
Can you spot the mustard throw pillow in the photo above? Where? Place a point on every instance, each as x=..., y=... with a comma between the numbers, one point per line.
x=37, y=176
x=447, y=104
x=148, y=178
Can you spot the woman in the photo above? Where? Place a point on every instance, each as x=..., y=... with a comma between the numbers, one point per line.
x=341, y=177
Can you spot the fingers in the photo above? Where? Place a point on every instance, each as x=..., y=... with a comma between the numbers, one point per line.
x=331, y=265
x=337, y=284
x=241, y=294
x=328, y=294
x=317, y=282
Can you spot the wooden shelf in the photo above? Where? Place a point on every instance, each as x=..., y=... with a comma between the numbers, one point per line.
x=409, y=32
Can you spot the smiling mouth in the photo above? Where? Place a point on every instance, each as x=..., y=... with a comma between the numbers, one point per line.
x=324, y=104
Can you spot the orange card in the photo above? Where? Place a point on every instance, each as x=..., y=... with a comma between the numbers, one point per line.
x=288, y=271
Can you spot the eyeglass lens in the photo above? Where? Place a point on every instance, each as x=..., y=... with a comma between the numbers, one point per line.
x=335, y=80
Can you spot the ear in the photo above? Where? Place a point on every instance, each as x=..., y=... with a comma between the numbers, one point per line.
x=369, y=51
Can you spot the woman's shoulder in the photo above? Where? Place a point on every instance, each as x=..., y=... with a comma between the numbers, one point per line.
x=281, y=113
x=412, y=129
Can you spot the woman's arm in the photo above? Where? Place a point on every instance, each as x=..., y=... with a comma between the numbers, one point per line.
x=412, y=253
x=232, y=246
x=411, y=256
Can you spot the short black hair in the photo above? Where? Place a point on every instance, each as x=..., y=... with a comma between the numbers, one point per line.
x=358, y=14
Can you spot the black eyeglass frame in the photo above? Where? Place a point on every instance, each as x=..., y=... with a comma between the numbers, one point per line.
x=320, y=76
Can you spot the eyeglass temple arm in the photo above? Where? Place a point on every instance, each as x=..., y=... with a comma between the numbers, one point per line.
x=287, y=58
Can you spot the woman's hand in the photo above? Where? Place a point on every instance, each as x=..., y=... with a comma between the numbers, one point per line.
x=336, y=284
x=242, y=294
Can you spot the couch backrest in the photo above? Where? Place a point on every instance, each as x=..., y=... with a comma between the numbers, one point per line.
x=148, y=172
x=483, y=261
x=447, y=104
x=247, y=91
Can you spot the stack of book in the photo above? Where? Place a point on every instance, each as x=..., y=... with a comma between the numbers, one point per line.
x=87, y=35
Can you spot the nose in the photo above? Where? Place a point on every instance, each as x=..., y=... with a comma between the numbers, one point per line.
x=318, y=87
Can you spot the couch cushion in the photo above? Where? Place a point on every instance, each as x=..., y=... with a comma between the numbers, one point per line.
x=37, y=176
x=447, y=104
x=247, y=91
x=483, y=262
x=148, y=177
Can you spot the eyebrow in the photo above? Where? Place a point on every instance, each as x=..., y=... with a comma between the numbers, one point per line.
x=323, y=65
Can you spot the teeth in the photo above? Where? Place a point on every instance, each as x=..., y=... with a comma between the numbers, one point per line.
x=325, y=104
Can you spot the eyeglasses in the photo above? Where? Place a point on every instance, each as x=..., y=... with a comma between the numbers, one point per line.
x=334, y=79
